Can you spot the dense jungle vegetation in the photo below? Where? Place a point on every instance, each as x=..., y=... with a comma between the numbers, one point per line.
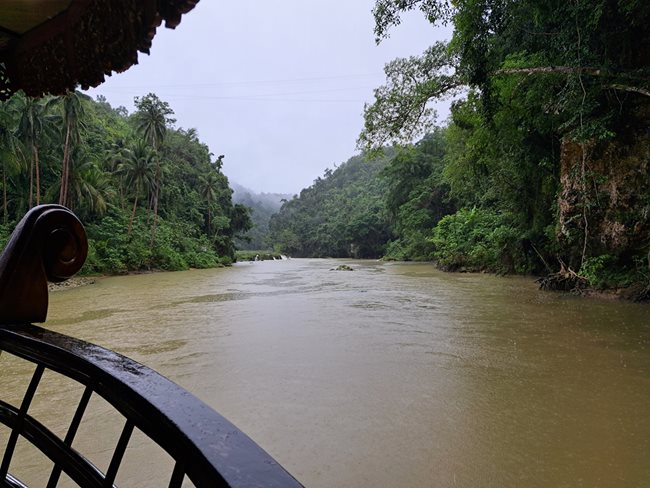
x=542, y=168
x=341, y=214
x=150, y=195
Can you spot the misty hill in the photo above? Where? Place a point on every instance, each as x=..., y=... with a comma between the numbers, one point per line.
x=263, y=206
x=343, y=214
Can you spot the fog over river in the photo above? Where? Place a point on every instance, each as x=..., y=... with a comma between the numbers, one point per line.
x=391, y=375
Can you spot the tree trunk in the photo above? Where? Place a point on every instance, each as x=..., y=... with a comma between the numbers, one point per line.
x=31, y=181
x=38, y=175
x=63, y=193
x=4, y=194
x=209, y=221
x=135, y=203
x=155, y=204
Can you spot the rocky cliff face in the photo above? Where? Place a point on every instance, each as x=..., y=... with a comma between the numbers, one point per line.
x=605, y=195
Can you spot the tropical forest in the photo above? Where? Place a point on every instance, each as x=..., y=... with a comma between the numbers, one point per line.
x=371, y=243
x=542, y=167
x=151, y=196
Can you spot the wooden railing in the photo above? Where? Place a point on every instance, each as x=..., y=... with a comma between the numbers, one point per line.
x=207, y=449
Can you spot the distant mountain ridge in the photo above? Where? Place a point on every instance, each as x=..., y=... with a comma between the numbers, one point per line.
x=262, y=206
x=242, y=195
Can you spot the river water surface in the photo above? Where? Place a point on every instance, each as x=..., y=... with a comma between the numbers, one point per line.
x=391, y=375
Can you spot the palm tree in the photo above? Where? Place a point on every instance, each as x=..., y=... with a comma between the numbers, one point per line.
x=89, y=189
x=31, y=125
x=138, y=171
x=152, y=118
x=209, y=186
x=112, y=159
x=9, y=153
x=73, y=114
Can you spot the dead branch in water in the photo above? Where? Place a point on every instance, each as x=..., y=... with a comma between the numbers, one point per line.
x=564, y=280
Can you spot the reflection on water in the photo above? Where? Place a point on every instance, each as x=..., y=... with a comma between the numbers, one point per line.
x=393, y=375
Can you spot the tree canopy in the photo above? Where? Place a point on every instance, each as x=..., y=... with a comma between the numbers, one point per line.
x=342, y=214
x=126, y=175
x=543, y=163
x=586, y=62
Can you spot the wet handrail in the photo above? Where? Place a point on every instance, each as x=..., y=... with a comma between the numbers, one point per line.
x=50, y=243
x=206, y=447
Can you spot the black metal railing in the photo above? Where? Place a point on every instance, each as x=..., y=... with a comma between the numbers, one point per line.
x=206, y=448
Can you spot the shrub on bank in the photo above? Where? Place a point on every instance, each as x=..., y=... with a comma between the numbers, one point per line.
x=177, y=246
x=606, y=271
x=477, y=240
x=415, y=246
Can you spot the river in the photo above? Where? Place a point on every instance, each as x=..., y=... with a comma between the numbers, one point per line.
x=391, y=375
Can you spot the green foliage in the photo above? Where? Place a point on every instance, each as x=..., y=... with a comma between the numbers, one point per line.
x=152, y=119
x=579, y=62
x=413, y=247
x=5, y=233
x=387, y=13
x=120, y=171
x=606, y=271
x=114, y=251
x=418, y=197
x=537, y=76
x=340, y=215
x=401, y=108
x=476, y=240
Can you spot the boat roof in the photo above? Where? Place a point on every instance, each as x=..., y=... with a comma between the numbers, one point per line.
x=55, y=46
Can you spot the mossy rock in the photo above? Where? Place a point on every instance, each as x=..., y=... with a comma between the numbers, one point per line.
x=342, y=267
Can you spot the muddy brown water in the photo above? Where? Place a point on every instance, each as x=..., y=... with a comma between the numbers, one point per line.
x=391, y=375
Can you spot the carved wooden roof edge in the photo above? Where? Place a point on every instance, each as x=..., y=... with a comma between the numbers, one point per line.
x=89, y=40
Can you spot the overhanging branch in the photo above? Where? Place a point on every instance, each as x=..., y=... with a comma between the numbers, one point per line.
x=550, y=69
x=578, y=70
x=633, y=89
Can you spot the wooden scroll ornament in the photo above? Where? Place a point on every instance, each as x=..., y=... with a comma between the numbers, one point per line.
x=48, y=244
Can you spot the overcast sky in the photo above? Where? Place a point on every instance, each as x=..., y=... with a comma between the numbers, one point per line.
x=278, y=86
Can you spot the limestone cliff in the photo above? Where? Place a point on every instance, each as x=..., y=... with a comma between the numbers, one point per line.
x=605, y=195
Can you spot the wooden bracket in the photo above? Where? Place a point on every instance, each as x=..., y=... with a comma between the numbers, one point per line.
x=48, y=244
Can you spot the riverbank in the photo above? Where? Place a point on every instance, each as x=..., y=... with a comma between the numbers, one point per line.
x=562, y=282
x=572, y=283
x=85, y=280
x=78, y=281
x=74, y=282
x=636, y=293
